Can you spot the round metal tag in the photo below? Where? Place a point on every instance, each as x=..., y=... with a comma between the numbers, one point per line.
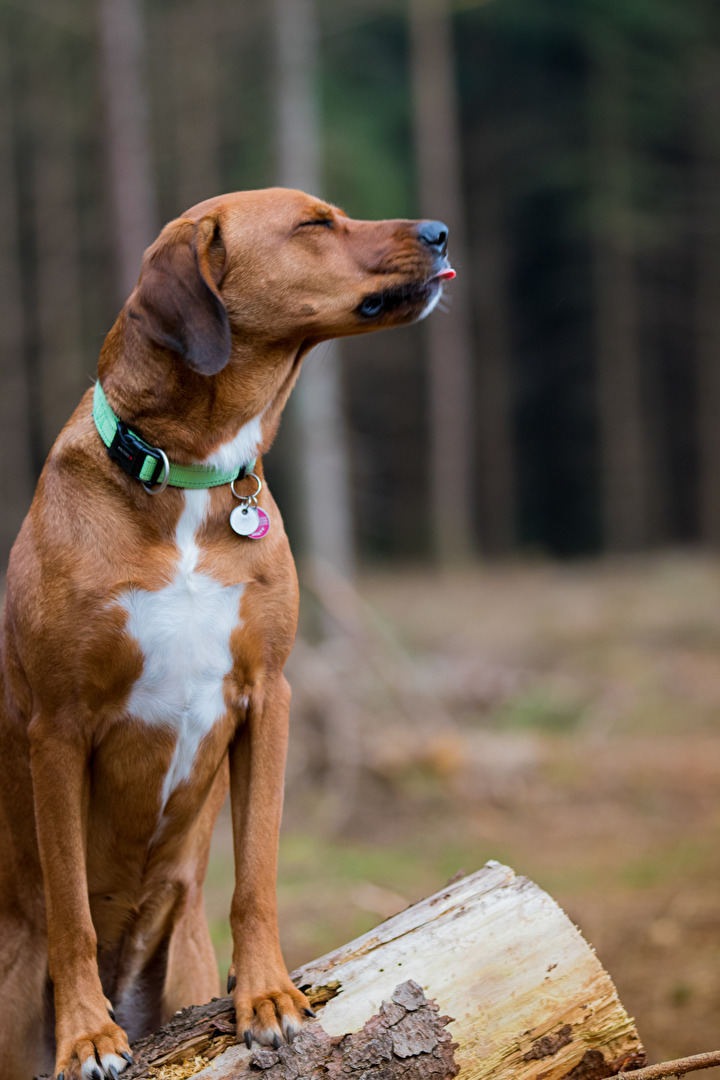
x=244, y=520
x=264, y=526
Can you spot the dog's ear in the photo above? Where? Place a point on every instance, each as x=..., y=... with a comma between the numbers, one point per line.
x=176, y=301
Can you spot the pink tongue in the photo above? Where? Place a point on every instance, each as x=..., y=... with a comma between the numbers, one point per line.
x=446, y=275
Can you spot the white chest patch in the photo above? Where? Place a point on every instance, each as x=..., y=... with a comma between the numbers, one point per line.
x=184, y=632
x=241, y=449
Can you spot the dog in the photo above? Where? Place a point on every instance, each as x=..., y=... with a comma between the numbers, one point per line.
x=151, y=605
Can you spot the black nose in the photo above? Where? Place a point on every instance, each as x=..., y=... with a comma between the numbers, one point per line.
x=434, y=234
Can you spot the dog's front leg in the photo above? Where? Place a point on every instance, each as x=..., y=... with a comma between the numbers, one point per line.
x=89, y=1045
x=268, y=1006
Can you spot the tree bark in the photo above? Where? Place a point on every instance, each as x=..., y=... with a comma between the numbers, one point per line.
x=314, y=436
x=527, y=997
x=194, y=29
x=406, y=1039
x=707, y=246
x=437, y=141
x=16, y=473
x=496, y=392
x=122, y=39
x=56, y=226
x=623, y=435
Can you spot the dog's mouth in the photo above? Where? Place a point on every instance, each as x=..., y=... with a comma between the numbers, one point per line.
x=410, y=300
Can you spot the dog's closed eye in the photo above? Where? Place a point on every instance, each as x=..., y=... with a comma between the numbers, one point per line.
x=324, y=222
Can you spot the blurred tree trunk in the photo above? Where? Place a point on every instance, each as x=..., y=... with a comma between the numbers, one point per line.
x=437, y=140
x=496, y=429
x=122, y=42
x=56, y=226
x=15, y=435
x=314, y=441
x=622, y=424
x=707, y=245
x=196, y=115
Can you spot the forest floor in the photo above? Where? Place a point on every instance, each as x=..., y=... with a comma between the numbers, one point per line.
x=564, y=719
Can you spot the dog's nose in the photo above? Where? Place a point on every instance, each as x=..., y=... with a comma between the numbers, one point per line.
x=434, y=234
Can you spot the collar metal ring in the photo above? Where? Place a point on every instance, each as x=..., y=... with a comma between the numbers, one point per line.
x=255, y=493
x=166, y=475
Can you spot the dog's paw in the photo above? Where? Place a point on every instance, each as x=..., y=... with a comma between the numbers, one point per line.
x=102, y=1055
x=270, y=1018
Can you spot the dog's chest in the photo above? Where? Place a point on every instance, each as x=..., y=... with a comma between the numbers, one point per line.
x=183, y=631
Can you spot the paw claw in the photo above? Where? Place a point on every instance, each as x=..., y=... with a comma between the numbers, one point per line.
x=113, y=1065
x=310, y=1013
x=248, y=1039
x=289, y=1028
x=128, y=1058
x=276, y=1042
x=231, y=982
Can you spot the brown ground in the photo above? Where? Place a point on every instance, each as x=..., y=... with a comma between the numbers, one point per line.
x=565, y=720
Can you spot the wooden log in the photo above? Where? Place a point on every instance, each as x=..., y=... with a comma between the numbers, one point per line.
x=527, y=996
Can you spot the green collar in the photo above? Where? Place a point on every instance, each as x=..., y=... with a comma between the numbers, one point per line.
x=150, y=464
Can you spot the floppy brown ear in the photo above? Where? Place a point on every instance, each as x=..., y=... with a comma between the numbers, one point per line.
x=176, y=300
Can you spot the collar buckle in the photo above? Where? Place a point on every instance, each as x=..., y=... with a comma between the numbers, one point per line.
x=132, y=454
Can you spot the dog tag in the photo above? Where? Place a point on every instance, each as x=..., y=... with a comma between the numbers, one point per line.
x=245, y=520
x=263, y=528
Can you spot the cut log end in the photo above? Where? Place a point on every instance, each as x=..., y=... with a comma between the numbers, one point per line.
x=530, y=999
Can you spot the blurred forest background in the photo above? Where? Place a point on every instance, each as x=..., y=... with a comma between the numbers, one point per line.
x=569, y=402
x=557, y=713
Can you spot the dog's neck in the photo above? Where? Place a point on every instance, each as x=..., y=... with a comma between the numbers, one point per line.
x=223, y=420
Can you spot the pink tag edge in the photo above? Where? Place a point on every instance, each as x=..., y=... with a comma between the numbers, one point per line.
x=263, y=528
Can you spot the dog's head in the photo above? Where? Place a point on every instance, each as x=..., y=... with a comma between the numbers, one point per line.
x=278, y=267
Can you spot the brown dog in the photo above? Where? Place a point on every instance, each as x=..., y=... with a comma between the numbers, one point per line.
x=144, y=640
